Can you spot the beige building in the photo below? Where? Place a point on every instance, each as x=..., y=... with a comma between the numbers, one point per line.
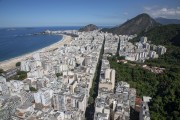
x=108, y=81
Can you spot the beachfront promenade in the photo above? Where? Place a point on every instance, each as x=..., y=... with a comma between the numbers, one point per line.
x=11, y=63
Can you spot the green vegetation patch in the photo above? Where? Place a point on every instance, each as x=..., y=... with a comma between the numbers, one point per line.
x=18, y=64
x=21, y=75
x=59, y=74
x=32, y=89
x=163, y=88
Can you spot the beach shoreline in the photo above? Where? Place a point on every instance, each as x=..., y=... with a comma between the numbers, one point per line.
x=11, y=63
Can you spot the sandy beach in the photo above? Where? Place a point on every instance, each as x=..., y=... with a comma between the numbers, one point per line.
x=11, y=63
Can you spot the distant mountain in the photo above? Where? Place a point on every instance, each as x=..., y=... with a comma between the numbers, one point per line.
x=136, y=25
x=166, y=21
x=162, y=35
x=88, y=28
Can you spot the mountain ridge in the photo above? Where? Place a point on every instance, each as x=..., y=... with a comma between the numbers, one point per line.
x=163, y=35
x=166, y=21
x=142, y=22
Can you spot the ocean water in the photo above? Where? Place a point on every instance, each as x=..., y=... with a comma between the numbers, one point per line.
x=18, y=41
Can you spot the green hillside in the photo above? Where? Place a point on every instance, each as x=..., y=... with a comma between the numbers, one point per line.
x=163, y=88
x=167, y=97
x=162, y=35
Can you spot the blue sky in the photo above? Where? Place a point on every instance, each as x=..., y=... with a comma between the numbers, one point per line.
x=30, y=13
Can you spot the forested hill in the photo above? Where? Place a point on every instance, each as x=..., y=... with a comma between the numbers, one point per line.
x=166, y=100
x=163, y=35
x=88, y=28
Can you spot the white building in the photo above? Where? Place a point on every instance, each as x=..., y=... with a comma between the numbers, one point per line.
x=16, y=86
x=44, y=96
x=25, y=66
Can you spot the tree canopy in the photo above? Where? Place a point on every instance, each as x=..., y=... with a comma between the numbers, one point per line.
x=163, y=88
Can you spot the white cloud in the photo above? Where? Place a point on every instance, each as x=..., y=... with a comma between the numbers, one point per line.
x=164, y=10
x=155, y=11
